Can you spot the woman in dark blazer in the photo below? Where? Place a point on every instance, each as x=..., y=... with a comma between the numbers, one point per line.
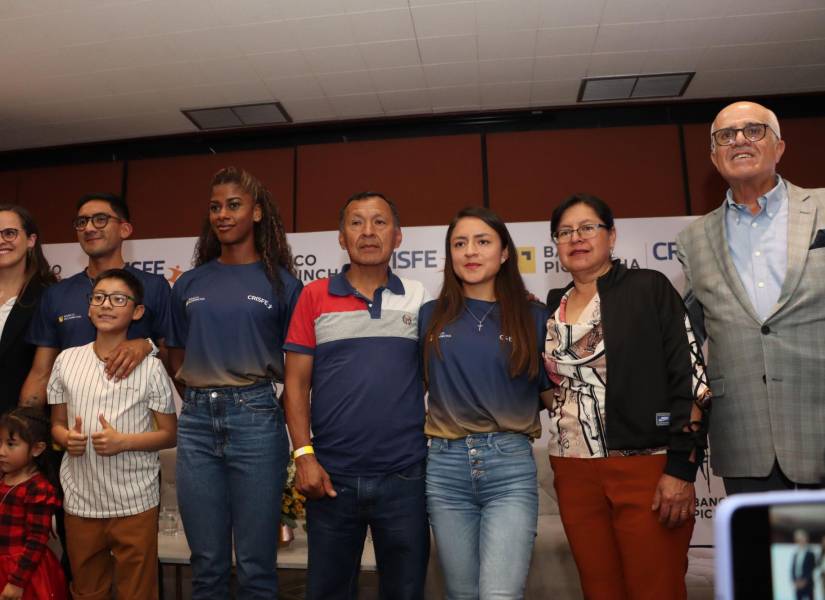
x=24, y=274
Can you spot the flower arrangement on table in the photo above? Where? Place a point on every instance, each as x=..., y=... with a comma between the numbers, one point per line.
x=292, y=501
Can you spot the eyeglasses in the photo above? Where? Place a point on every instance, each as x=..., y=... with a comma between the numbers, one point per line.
x=116, y=300
x=99, y=220
x=9, y=234
x=753, y=132
x=586, y=231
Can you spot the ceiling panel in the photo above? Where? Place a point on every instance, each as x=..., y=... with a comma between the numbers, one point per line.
x=99, y=69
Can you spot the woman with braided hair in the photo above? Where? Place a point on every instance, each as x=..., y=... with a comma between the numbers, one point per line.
x=229, y=319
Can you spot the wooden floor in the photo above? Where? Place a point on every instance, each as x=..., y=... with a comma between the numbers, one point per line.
x=292, y=584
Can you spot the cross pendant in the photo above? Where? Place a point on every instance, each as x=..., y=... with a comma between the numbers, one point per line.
x=480, y=325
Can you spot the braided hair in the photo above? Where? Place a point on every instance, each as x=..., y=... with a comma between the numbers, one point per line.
x=32, y=425
x=270, y=235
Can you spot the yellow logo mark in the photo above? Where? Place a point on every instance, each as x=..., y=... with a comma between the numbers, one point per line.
x=526, y=259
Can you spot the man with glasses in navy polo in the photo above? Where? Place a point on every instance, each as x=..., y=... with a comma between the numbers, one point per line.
x=755, y=270
x=62, y=319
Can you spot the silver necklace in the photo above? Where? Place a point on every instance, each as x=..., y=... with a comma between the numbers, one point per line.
x=480, y=322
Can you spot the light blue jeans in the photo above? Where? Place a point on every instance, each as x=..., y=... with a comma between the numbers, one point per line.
x=231, y=467
x=483, y=502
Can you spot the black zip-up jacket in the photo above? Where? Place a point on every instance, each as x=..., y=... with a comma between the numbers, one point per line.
x=649, y=366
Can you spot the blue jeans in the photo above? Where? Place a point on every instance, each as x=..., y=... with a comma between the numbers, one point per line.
x=395, y=509
x=483, y=501
x=231, y=468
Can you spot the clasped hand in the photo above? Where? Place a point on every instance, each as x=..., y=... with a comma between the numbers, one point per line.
x=311, y=479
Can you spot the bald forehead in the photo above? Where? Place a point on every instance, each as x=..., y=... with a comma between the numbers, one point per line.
x=740, y=113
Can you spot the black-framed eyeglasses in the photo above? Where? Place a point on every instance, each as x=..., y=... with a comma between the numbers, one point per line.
x=585, y=231
x=99, y=220
x=753, y=132
x=9, y=234
x=117, y=300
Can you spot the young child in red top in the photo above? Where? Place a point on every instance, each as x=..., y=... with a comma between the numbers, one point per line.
x=28, y=568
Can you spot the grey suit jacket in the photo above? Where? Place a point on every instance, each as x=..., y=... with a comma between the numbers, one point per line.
x=767, y=378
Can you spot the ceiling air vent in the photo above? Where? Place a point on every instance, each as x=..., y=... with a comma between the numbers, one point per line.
x=242, y=115
x=629, y=87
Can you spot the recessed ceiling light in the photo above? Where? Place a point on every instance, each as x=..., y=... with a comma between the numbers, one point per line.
x=241, y=115
x=628, y=87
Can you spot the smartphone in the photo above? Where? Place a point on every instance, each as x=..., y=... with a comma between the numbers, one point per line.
x=771, y=546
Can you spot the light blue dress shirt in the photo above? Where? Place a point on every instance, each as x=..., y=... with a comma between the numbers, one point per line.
x=758, y=244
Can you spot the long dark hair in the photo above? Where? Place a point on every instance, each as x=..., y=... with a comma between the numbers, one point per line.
x=32, y=426
x=516, y=320
x=38, y=270
x=270, y=235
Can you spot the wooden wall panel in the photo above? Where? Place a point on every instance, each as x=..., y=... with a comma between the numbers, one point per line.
x=168, y=197
x=636, y=170
x=51, y=194
x=801, y=163
x=707, y=188
x=429, y=179
x=8, y=187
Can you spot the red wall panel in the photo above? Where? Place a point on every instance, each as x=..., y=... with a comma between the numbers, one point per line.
x=634, y=169
x=801, y=164
x=8, y=187
x=51, y=194
x=429, y=178
x=168, y=197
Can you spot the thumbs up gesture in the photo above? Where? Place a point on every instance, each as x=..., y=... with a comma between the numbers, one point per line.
x=108, y=441
x=76, y=440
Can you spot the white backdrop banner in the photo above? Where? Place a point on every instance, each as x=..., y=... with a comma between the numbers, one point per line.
x=641, y=243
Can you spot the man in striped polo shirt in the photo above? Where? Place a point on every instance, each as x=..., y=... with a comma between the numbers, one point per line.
x=353, y=341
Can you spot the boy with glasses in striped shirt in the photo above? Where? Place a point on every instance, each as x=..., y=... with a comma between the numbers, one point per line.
x=112, y=431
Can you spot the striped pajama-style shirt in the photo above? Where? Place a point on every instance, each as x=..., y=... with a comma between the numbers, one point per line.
x=109, y=486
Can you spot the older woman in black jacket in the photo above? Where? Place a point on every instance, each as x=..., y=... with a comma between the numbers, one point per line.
x=24, y=274
x=627, y=431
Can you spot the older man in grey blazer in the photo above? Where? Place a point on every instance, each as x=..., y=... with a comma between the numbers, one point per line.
x=755, y=270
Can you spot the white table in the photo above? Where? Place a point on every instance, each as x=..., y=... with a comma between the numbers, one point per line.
x=174, y=550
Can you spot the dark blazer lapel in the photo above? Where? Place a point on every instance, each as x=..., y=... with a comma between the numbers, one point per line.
x=801, y=220
x=17, y=322
x=717, y=239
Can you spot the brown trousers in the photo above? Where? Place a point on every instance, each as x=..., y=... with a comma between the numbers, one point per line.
x=123, y=550
x=621, y=550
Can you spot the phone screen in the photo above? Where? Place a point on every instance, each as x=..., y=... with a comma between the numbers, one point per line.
x=779, y=552
x=797, y=545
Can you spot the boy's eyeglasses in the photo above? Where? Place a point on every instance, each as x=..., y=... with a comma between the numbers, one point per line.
x=116, y=300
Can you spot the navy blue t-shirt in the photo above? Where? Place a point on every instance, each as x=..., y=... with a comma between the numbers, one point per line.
x=62, y=318
x=232, y=324
x=470, y=388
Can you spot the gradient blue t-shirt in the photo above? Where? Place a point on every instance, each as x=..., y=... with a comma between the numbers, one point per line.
x=232, y=323
x=470, y=388
x=62, y=318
